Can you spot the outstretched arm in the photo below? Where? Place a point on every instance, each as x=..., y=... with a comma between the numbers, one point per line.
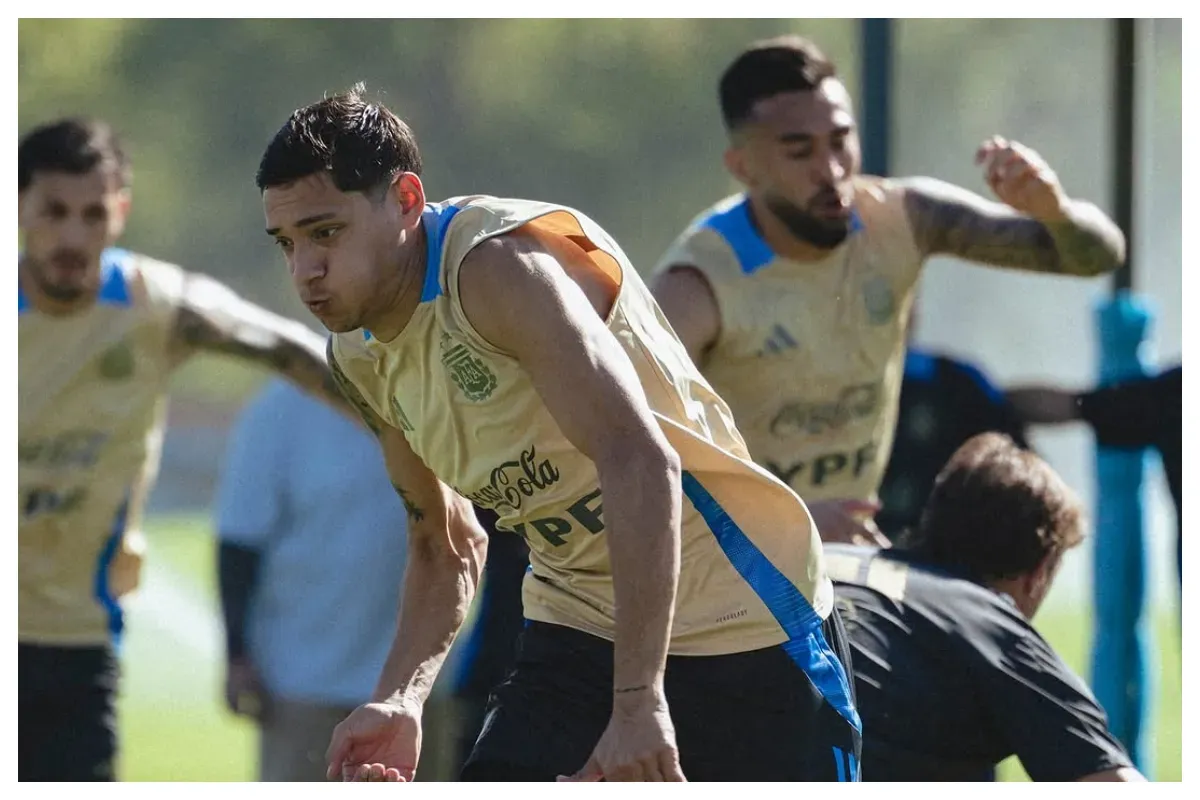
x=212, y=318
x=1036, y=227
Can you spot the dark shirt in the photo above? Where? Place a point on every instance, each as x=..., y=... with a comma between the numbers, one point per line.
x=951, y=678
x=1143, y=413
x=943, y=403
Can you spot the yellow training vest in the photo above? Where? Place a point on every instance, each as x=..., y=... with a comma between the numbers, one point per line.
x=751, y=574
x=811, y=355
x=91, y=393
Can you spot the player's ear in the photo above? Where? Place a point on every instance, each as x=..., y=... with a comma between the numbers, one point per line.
x=735, y=163
x=122, y=207
x=406, y=188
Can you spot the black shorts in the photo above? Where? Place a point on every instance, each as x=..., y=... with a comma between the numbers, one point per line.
x=66, y=717
x=754, y=716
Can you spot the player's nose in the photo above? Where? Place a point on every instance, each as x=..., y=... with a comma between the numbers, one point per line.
x=308, y=265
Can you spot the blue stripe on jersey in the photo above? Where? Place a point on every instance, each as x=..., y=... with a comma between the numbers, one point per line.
x=854, y=773
x=752, y=251
x=735, y=227
x=437, y=220
x=114, y=289
x=840, y=763
x=806, y=643
x=116, y=620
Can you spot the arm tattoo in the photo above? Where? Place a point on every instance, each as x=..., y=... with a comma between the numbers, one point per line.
x=252, y=334
x=350, y=392
x=952, y=221
x=630, y=689
x=414, y=512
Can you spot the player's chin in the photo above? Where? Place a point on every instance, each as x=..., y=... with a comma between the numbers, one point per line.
x=333, y=322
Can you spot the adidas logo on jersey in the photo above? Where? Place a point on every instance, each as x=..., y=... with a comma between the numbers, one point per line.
x=778, y=341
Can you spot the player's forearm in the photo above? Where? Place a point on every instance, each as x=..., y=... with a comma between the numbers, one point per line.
x=642, y=508
x=237, y=576
x=298, y=354
x=265, y=339
x=439, y=584
x=1087, y=241
x=1039, y=405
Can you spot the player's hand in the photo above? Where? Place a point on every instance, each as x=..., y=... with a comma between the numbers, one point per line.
x=637, y=745
x=378, y=742
x=1022, y=179
x=125, y=571
x=848, y=521
x=245, y=694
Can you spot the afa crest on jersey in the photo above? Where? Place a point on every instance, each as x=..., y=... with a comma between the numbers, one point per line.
x=468, y=372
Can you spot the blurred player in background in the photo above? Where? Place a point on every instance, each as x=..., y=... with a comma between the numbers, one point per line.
x=508, y=354
x=310, y=532
x=793, y=296
x=1147, y=412
x=951, y=676
x=944, y=401
x=100, y=330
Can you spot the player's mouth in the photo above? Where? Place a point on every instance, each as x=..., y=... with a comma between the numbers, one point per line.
x=832, y=207
x=317, y=305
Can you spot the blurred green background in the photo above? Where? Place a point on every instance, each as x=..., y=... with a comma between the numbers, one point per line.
x=620, y=119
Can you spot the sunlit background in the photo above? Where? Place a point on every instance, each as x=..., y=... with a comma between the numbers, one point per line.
x=620, y=119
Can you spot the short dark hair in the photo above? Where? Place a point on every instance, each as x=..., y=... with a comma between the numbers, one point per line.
x=996, y=511
x=75, y=145
x=769, y=67
x=362, y=145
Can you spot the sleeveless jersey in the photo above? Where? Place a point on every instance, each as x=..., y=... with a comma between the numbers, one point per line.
x=751, y=573
x=810, y=355
x=91, y=398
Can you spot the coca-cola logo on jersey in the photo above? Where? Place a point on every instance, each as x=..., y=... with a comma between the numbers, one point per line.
x=512, y=482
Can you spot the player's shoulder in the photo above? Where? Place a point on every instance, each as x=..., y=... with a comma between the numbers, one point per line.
x=877, y=198
x=719, y=241
x=347, y=347
x=138, y=280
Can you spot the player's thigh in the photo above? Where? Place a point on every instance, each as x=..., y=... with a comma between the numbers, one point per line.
x=760, y=716
x=294, y=738
x=67, y=714
x=545, y=718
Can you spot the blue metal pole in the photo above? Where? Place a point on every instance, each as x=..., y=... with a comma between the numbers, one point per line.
x=1120, y=654
x=876, y=58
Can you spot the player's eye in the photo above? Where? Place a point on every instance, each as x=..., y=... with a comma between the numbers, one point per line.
x=95, y=214
x=284, y=244
x=56, y=211
x=326, y=233
x=800, y=154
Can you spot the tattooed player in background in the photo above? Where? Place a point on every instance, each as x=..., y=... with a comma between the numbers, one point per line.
x=100, y=330
x=793, y=297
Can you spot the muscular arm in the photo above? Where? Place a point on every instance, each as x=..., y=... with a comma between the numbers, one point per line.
x=687, y=300
x=214, y=319
x=519, y=298
x=446, y=552
x=949, y=220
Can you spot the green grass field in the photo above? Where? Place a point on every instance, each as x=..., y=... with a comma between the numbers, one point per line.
x=174, y=726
